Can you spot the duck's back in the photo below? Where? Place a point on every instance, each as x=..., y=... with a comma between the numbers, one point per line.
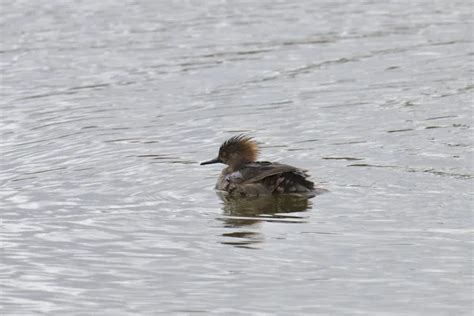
x=265, y=178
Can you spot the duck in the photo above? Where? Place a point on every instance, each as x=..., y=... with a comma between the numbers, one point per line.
x=245, y=176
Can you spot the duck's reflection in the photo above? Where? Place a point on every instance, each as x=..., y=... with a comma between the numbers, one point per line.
x=247, y=212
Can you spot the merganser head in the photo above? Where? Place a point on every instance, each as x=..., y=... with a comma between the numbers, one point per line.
x=236, y=151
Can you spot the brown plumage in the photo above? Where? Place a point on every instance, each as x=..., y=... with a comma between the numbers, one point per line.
x=247, y=177
x=242, y=147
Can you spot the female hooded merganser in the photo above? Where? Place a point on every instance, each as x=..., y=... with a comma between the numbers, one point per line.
x=245, y=176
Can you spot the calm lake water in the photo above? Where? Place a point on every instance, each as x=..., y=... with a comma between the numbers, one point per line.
x=108, y=107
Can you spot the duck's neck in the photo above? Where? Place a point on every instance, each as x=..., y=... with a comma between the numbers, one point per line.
x=237, y=165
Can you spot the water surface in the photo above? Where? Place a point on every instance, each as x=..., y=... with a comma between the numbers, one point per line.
x=107, y=108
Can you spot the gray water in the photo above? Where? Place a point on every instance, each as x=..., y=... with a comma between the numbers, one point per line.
x=108, y=106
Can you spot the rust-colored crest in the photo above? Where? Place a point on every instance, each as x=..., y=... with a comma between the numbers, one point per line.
x=242, y=145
